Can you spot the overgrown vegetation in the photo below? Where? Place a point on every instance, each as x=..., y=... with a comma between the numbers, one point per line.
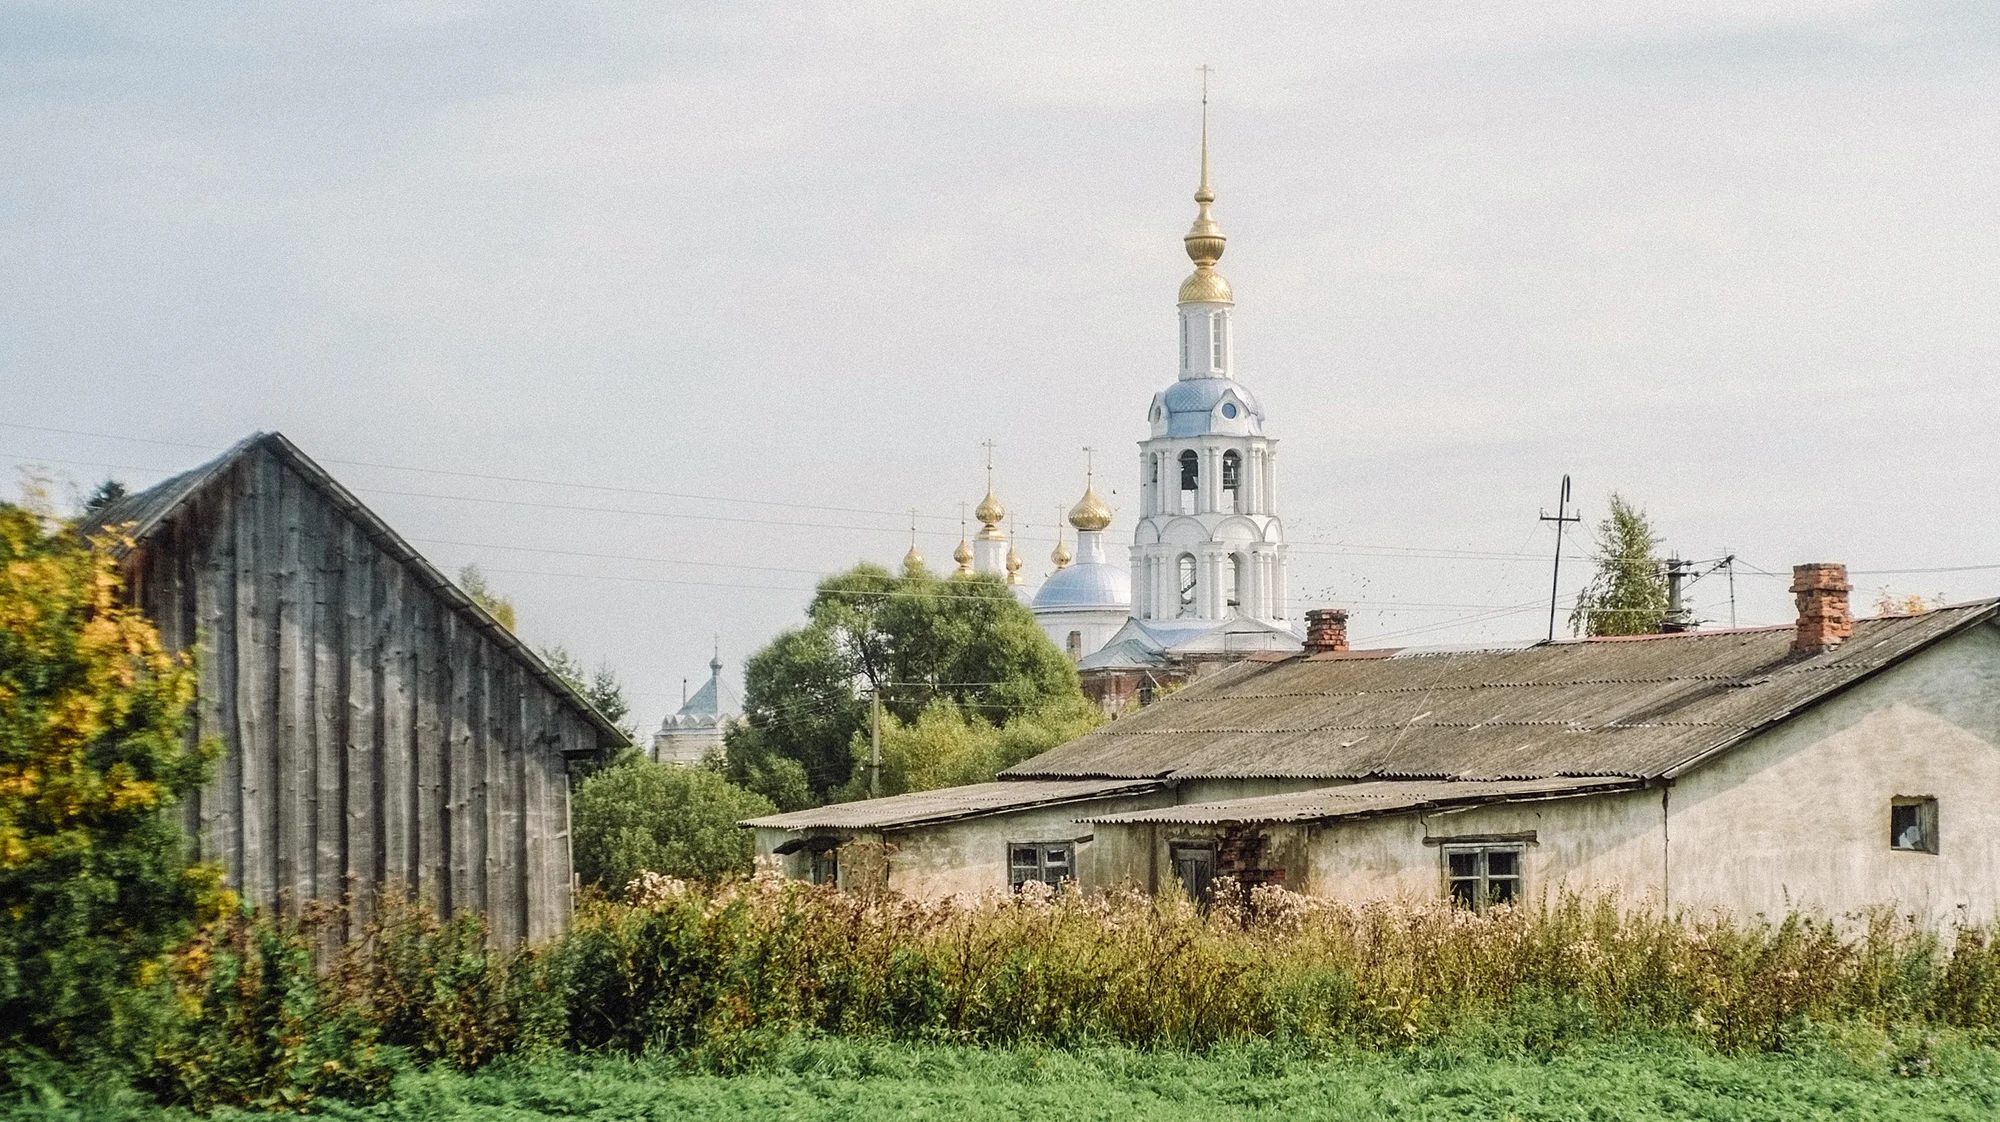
x=732, y=978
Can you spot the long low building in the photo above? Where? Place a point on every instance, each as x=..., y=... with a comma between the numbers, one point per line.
x=1834, y=764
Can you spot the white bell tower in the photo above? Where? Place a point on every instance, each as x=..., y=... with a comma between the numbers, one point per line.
x=1209, y=544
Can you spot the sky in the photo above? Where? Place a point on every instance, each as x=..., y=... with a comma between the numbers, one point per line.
x=658, y=311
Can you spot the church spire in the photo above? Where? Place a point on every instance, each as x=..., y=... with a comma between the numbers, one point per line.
x=1204, y=240
x=913, y=562
x=963, y=554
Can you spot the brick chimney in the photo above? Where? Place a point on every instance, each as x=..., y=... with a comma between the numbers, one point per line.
x=1824, y=618
x=1326, y=630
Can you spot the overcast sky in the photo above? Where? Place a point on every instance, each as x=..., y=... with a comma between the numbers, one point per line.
x=1739, y=262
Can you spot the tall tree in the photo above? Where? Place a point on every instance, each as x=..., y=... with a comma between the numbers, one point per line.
x=1628, y=593
x=600, y=687
x=915, y=640
x=499, y=607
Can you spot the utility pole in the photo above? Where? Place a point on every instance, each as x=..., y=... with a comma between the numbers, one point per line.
x=875, y=745
x=1562, y=518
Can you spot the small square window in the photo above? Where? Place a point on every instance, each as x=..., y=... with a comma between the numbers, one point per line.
x=1913, y=824
x=1047, y=862
x=1477, y=877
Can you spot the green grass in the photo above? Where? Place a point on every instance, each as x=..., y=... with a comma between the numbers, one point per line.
x=1850, y=1074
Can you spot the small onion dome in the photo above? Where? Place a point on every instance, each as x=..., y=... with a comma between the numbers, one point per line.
x=990, y=512
x=1061, y=554
x=1090, y=513
x=963, y=555
x=913, y=562
x=1014, y=564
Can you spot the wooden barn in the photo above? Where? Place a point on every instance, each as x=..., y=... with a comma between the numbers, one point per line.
x=379, y=728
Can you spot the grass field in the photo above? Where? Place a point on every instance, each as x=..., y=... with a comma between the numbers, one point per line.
x=1857, y=1075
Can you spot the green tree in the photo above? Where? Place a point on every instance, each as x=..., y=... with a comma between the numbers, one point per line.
x=663, y=818
x=473, y=582
x=107, y=492
x=600, y=687
x=96, y=884
x=948, y=745
x=1628, y=593
x=915, y=640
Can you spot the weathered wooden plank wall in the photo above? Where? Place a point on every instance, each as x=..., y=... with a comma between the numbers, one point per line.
x=373, y=734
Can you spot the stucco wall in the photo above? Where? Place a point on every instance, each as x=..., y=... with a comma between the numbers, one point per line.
x=1588, y=844
x=966, y=857
x=1800, y=816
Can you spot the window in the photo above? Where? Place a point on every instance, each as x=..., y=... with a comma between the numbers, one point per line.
x=1217, y=323
x=1047, y=862
x=1194, y=867
x=1229, y=410
x=1075, y=645
x=1232, y=477
x=1480, y=876
x=1187, y=584
x=1913, y=824
x=1232, y=588
x=825, y=867
x=1190, y=470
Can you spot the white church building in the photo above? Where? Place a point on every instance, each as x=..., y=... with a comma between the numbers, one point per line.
x=1208, y=564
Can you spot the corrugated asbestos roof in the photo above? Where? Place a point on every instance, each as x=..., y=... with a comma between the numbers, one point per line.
x=1358, y=799
x=140, y=514
x=1640, y=708
x=950, y=803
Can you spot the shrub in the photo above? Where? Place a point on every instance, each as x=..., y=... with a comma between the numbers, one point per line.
x=438, y=989
x=257, y=1027
x=96, y=887
x=663, y=818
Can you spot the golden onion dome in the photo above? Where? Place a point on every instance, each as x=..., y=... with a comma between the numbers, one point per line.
x=1014, y=564
x=1090, y=513
x=913, y=562
x=963, y=555
x=1061, y=554
x=989, y=510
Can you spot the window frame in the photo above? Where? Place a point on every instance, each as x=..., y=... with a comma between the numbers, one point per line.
x=1187, y=586
x=1218, y=345
x=1482, y=878
x=1924, y=816
x=1020, y=873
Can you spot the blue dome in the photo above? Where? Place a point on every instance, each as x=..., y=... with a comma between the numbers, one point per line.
x=1084, y=586
x=1191, y=405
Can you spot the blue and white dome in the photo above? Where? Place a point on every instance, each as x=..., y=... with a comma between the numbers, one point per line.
x=1206, y=407
x=1085, y=586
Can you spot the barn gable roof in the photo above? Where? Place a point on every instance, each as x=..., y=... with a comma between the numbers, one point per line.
x=1643, y=708
x=142, y=513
